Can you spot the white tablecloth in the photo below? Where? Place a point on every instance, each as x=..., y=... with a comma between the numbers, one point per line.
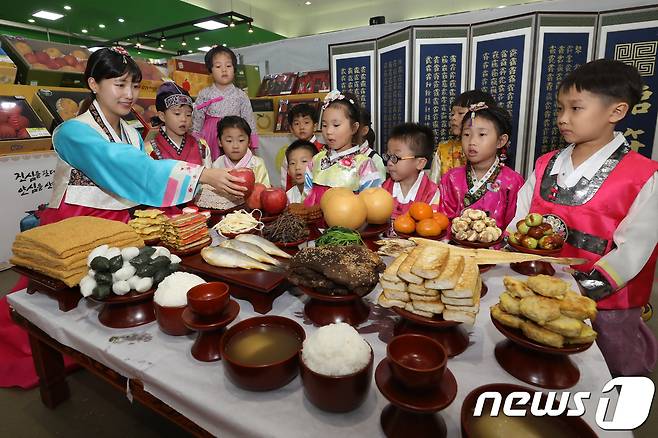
x=201, y=392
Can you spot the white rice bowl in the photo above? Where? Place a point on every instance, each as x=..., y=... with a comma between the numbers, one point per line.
x=336, y=350
x=172, y=291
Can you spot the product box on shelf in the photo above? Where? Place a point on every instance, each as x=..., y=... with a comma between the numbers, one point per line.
x=264, y=115
x=312, y=82
x=152, y=77
x=278, y=84
x=21, y=130
x=45, y=62
x=247, y=78
x=189, y=75
x=57, y=106
x=285, y=105
x=7, y=69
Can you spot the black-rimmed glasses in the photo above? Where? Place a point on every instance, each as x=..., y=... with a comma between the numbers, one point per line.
x=394, y=158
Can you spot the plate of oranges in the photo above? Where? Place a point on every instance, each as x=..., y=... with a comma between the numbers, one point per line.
x=421, y=221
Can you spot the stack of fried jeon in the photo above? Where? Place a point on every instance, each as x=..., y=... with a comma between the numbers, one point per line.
x=429, y=281
x=546, y=311
x=149, y=224
x=60, y=250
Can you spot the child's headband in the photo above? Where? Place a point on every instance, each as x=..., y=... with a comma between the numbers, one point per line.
x=333, y=96
x=121, y=51
x=477, y=107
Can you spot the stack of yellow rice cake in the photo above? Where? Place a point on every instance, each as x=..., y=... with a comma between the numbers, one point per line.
x=149, y=224
x=60, y=250
x=186, y=231
x=546, y=311
x=431, y=280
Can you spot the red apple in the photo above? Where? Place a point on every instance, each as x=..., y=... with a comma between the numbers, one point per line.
x=70, y=60
x=274, y=200
x=6, y=131
x=42, y=57
x=31, y=58
x=248, y=176
x=18, y=121
x=253, y=201
x=59, y=62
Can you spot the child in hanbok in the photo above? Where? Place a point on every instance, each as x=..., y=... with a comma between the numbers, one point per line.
x=341, y=163
x=607, y=195
x=174, y=118
x=302, y=119
x=484, y=183
x=234, y=134
x=298, y=156
x=221, y=99
x=409, y=147
x=449, y=152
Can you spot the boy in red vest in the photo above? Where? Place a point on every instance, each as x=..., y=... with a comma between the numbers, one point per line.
x=608, y=196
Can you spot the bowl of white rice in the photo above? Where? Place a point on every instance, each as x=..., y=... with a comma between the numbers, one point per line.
x=170, y=300
x=336, y=366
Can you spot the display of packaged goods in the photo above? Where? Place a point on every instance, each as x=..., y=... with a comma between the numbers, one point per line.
x=189, y=75
x=312, y=82
x=278, y=84
x=144, y=110
x=7, y=69
x=285, y=105
x=57, y=106
x=152, y=77
x=247, y=78
x=264, y=114
x=46, y=62
x=21, y=130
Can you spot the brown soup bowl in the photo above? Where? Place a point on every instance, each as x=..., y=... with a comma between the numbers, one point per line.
x=417, y=362
x=170, y=319
x=336, y=393
x=208, y=299
x=265, y=376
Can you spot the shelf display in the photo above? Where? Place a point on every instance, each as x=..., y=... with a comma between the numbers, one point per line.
x=247, y=78
x=191, y=76
x=7, y=69
x=312, y=82
x=277, y=84
x=21, y=130
x=46, y=62
x=286, y=105
x=152, y=77
x=264, y=114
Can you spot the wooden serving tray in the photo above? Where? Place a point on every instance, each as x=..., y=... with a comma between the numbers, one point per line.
x=67, y=297
x=258, y=287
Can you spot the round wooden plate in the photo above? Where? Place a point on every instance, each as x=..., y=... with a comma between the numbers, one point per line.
x=372, y=231
x=467, y=244
x=325, y=309
x=520, y=339
x=541, y=252
x=436, y=321
x=406, y=236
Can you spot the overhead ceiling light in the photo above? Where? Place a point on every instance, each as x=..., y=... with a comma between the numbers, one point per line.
x=84, y=31
x=68, y=8
x=162, y=37
x=251, y=28
x=224, y=44
x=189, y=51
x=307, y=3
x=183, y=42
x=102, y=26
x=47, y=15
x=30, y=20
x=196, y=38
x=139, y=53
x=204, y=48
x=121, y=20
x=210, y=25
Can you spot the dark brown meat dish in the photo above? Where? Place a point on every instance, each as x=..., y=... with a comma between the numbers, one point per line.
x=336, y=270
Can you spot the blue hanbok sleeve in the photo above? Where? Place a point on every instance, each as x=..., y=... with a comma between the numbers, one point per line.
x=125, y=170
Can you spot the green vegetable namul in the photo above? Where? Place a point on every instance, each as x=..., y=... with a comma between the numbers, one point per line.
x=339, y=236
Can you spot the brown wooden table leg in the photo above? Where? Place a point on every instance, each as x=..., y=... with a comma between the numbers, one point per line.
x=49, y=364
